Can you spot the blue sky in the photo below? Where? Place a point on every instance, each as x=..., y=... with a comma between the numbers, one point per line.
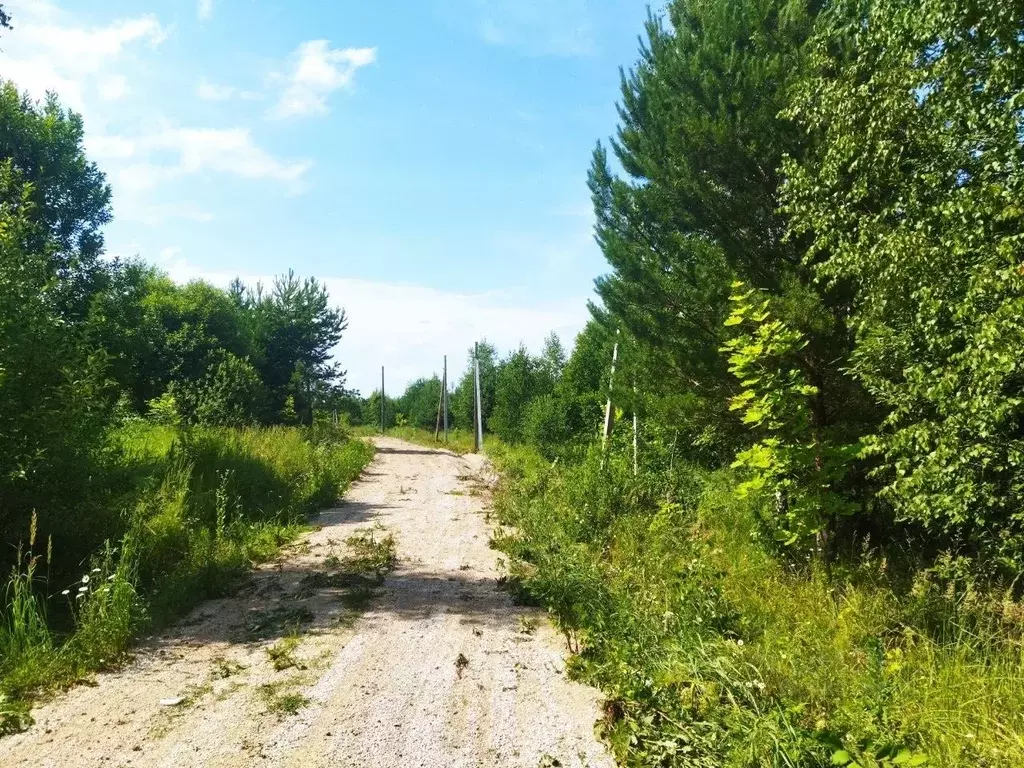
x=427, y=160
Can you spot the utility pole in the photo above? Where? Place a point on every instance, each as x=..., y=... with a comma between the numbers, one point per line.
x=478, y=427
x=382, y=400
x=444, y=393
x=440, y=403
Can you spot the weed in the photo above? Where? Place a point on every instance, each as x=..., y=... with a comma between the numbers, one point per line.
x=461, y=662
x=225, y=668
x=370, y=554
x=282, y=653
x=527, y=625
x=331, y=562
x=280, y=701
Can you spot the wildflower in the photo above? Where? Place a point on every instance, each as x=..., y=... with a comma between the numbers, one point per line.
x=85, y=579
x=95, y=570
x=739, y=643
x=83, y=589
x=111, y=577
x=66, y=592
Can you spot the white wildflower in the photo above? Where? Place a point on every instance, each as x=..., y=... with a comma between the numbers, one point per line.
x=85, y=579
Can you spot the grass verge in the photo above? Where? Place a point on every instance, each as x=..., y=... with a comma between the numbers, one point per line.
x=712, y=652
x=200, y=508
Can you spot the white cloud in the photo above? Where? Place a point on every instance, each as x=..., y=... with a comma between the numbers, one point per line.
x=204, y=10
x=222, y=150
x=208, y=91
x=317, y=70
x=105, y=147
x=113, y=87
x=50, y=51
x=135, y=209
x=410, y=328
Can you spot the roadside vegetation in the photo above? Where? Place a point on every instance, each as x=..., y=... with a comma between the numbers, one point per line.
x=156, y=439
x=808, y=550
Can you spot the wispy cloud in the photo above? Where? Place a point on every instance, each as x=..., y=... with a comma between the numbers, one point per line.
x=209, y=91
x=532, y=27
x=113, y=88
x=204, y=10
x=220, y=150
x=315, y=71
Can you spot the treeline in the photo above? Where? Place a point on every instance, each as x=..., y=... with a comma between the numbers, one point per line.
x=547, y=400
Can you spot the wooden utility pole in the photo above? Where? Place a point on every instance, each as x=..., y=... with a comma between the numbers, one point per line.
x=440, y=403
x=478, y=426
x=444, y=393
x=382, y=430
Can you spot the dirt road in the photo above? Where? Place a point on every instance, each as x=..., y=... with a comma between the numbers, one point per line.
x=439, y=669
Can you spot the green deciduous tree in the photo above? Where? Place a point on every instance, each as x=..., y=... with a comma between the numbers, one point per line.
x=911, y=197
x=794, y=458
x=419, y=402
x=52, y=405
x=461, y=401
x=44, y=143
x=520, y=380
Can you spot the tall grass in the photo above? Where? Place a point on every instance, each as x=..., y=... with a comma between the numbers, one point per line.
x=712, y=652
x=202, y=507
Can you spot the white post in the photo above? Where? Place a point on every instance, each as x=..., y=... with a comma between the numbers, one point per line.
x=608, y=406
x=636, y=431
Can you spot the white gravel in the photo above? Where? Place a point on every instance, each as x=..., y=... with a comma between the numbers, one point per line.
x=382, y=691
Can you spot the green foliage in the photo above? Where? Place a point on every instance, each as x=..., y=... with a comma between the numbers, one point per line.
x=700, y=143
x=232, y=395
x=52, y=409
x=911, y=197
x=419, y=403
x=461, y=400
x=295, y=329
x=793, y=460
x=520, y=379
x=70, y=196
